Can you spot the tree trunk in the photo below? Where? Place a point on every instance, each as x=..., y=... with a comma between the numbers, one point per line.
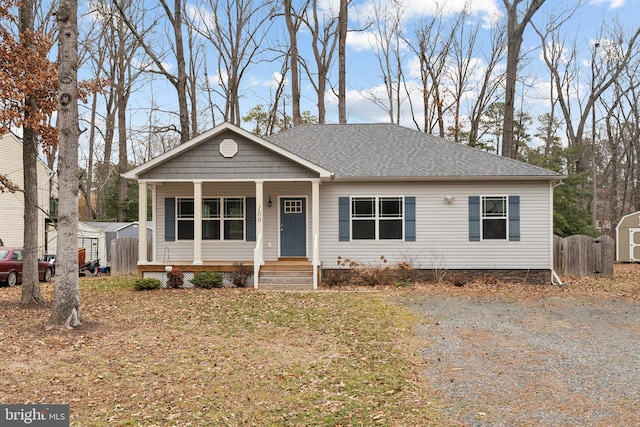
x=292, y=28
x=122, y=153
x=181, y=86
x=515, y=31
x=65, y=312
x=89, y=211
x=30, y=282
x=122, y=98
x=104, y=170
x=514, y=34
x=343, y=21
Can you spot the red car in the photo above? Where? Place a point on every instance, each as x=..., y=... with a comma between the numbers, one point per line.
x=11, y=267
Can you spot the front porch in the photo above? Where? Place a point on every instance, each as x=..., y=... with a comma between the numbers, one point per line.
x=275, y=229
x=228, y=198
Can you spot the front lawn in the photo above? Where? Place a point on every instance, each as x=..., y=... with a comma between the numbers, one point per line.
x=217, y=357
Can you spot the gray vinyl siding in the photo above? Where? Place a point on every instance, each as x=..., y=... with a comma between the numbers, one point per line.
x=182, y=250
x=442, y=230
x=205, y=162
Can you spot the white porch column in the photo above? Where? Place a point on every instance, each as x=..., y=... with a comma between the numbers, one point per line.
x=259, y=208
x=315, y=228
x=197, y=222
x=154, y=215
x=142, y=222
x=258, y=253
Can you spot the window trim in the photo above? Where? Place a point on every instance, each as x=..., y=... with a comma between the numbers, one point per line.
x=512, y=217
x=221, y=218
x=484, y=216
x=377, y=217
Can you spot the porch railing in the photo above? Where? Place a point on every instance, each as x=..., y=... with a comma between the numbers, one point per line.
x=316, y=260
x=258, y=260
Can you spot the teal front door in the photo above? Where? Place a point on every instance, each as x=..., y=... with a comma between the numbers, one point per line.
x=293, y=227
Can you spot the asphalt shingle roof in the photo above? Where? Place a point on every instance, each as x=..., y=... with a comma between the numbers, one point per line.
x=389, y=150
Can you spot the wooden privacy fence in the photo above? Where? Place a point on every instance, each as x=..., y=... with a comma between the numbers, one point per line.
x=582, y=255
x=124, y=255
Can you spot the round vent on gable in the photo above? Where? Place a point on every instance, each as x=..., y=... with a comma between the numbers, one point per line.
x=228, y=148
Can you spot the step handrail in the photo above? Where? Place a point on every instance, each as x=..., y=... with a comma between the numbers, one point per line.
x=258, y=260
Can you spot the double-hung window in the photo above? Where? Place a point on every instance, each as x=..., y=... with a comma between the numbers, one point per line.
x=211, y=217
x=376, y=218
x=223, y=218
x=233, y=218
x=185, y=216
x=494, y=217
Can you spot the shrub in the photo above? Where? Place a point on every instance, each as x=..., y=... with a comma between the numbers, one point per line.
x=175, y=278
x=240, y=274
x=380, y=273
x=146, y=284
x=207, y=280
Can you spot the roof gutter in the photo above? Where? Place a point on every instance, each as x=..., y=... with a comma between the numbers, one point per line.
x=557, y=178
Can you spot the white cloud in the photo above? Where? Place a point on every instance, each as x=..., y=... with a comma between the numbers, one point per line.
x=487, y=10
x=361, y=40
x=613, y=4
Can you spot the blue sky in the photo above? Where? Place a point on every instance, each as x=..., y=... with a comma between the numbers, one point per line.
x=363, y=73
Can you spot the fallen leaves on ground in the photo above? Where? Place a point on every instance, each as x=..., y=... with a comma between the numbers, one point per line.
x=215, y=357
x=343, y=356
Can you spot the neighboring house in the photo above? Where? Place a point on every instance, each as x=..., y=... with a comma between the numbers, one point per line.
x=318, y=194
x=12, y=204
x=96, y=238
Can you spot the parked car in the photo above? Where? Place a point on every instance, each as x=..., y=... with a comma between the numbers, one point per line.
x=11, y=267
x=51, y=259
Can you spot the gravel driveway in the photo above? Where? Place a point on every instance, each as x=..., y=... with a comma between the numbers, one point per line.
x=552, y=361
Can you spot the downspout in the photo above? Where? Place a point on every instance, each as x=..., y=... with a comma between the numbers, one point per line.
x=555, y=279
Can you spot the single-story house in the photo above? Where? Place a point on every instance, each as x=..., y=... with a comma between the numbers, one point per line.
x=317, y=195
x=12, y=204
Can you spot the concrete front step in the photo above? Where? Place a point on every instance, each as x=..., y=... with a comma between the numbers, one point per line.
x=266, y=273
x=287, y=287
x=286, y=280
x=286, y=274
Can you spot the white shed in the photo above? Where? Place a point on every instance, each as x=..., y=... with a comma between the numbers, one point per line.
x=628, y=238
x=96, y=237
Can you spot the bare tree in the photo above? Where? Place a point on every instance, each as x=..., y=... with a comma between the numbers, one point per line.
x=237, y=30
x=324, y=39
x=115, y=61
x=387, y=50
x=65, y=312
x=293, y=21
x=463, y=47
x=178, y=80
x=489, y=86
x=515, y=31
x=433, y=48
x=562, y=65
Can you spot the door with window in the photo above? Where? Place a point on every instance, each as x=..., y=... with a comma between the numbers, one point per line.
x=634, y=244
x=293, y=227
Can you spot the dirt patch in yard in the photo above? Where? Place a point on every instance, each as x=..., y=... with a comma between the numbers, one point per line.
x=500, y=354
